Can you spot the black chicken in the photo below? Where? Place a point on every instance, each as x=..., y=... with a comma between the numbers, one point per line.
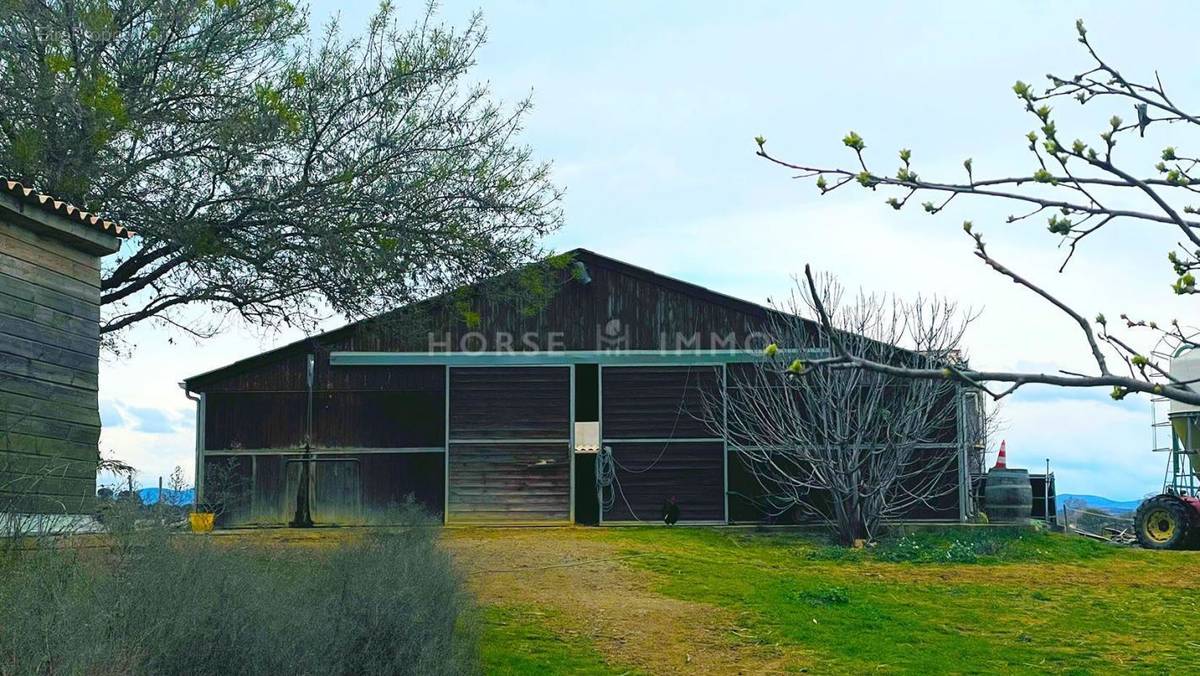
x=670, y=511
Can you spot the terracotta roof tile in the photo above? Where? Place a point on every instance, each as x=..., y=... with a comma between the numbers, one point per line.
x=69, y=211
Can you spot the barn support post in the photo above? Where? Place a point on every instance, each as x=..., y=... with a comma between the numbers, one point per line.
x=446, y=454
x=600, y=440
x=571, y=453
x=725, y=435
x=200, y=424
x=964, y=477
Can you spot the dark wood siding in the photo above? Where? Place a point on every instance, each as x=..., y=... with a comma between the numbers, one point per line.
x=649, y=474
x=509, y=482
x=380, y=407
x=49, y=349
x=385, y=407
x=254, y=420
x=346, y=489
x=510, y=403
x=661, y=402
x=510, y=478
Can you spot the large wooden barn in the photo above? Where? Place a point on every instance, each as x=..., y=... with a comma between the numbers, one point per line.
x=50, y=257
x=486, y=408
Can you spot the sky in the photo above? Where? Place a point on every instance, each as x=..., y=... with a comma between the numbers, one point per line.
x=648, y=112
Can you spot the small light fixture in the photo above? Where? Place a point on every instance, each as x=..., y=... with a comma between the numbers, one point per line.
x=580, y=272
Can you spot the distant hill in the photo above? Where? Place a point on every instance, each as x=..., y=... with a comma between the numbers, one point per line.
x=1097, y=502
x=182, y=498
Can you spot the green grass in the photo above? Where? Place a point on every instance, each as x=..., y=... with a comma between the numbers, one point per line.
x=520, y=640
x=960, y=600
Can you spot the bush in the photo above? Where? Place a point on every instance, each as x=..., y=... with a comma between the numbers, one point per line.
x=823, y=596
x=156, y=604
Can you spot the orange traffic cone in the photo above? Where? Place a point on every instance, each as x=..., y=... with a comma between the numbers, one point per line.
x=1002, y=458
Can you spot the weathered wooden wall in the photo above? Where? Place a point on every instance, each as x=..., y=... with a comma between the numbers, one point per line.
x=49, y=352
x=260, y=402
x=510, y=444
x=646, y=414
x=377, y=434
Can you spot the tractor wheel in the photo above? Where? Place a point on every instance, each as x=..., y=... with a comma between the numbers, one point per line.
x=1164, y=522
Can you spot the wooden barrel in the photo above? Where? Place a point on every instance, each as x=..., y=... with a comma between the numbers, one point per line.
x=1008, y=496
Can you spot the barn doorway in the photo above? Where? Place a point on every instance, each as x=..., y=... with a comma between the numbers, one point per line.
x=509, y=444
x=587, y=443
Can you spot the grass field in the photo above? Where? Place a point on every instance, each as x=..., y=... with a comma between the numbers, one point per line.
x=655, y=600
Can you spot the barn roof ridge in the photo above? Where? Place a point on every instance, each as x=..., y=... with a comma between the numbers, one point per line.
x=586, y=255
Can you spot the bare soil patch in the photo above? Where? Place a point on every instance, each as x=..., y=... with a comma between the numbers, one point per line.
x=594, y=593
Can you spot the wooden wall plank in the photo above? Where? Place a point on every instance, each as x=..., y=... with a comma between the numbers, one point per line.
x=52, y=354
x=651, y=473
x=56, y=246
x=87, y=309
x=12, y=306
x=510, y=403
x=509, y=482
x=660, y=402
x=49, y=279
x=49, y=353
x=49, y=260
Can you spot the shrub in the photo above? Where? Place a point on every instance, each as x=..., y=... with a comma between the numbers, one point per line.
x=823, y=596
x=157, y=604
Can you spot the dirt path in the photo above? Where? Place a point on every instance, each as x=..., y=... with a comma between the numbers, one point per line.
x=593, y=592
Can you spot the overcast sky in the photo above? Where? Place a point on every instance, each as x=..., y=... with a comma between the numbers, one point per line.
x=649, y=110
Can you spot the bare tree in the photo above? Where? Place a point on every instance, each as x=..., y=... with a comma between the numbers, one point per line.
x=1079, y=188
x=851, y=447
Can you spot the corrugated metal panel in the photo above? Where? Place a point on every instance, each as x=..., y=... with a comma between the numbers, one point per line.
x=649, y=474
x=660, y=402
x=509, y=482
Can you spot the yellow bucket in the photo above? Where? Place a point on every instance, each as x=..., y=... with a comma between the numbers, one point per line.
x=201, y=522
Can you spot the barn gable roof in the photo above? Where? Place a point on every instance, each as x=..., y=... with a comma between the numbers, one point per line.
x=587, y=257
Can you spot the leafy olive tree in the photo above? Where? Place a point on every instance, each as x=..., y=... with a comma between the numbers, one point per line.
x=268, y=174
x=1079, y=188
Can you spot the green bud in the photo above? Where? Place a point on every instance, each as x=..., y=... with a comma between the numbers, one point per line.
x=864, y=178
x=1168, y=154
x=1115, y=122
x=760, y=141
x=771, y=350
x=1101, y=320
x=1022, y=90
x=853, y=140
x=967, y=225
x=1043, y=176
x=905, y=155
x=1138, y=360
x=796, y=367
x=967, y=165
x=1078, y=147
x=821, y=184
x=1043, y=112
x=1185, y=284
